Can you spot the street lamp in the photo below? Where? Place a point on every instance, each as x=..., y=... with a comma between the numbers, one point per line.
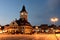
x=36, y=29
x=54, y=19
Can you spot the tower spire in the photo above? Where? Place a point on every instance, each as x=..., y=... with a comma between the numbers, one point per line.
x=23, y=13
x=23, y=9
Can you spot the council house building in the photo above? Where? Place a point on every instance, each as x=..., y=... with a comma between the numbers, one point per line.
x=21, y=25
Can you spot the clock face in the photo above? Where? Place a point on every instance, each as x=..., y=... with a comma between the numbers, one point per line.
x=25, y=13
x=21, y=13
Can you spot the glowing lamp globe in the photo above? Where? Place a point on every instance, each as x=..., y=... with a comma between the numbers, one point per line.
x=54, y=19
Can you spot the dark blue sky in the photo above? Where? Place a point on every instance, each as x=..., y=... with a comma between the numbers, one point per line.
x=39, y=11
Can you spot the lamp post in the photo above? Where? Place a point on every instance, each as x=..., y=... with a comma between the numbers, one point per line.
x=36, y=29
x=54, y=20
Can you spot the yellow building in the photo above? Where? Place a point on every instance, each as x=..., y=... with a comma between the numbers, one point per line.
x=22, y=25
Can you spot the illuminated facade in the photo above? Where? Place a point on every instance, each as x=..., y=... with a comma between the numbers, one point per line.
x=22, y=25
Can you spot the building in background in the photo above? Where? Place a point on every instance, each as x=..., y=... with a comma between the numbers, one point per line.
x=22, y=25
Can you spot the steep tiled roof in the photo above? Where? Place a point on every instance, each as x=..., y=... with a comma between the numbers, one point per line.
x=22, y=21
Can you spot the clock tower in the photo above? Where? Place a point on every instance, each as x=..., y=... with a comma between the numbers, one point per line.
x=23, y=13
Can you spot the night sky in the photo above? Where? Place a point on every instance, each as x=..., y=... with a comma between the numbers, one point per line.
x=39, y=11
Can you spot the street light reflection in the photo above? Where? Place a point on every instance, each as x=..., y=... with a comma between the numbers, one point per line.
x=1, y=31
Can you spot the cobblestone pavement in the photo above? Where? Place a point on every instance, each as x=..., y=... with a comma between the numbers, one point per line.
x=30, y=37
